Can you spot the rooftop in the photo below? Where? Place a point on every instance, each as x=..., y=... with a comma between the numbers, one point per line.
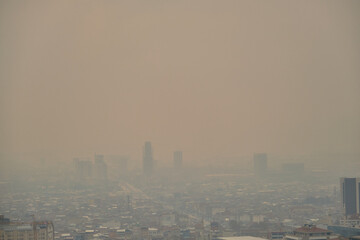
x=308, y=228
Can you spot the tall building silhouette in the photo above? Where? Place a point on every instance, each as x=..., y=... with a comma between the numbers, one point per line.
x=260, y=163
x=350, y=195
x=148, y=162
x=178, y=159
x=100, y=168
x=83, y=169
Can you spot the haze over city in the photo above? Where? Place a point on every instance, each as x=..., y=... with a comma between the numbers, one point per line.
x=179, y=120
x=214, y=79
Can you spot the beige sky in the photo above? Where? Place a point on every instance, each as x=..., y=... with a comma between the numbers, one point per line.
x=211, y=78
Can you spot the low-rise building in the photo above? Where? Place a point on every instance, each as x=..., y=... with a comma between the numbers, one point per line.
x=27, y=231
x=310, y=232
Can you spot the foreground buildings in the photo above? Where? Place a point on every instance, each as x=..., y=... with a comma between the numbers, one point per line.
x=36, y=230
x=311, y=232
x=198, y=204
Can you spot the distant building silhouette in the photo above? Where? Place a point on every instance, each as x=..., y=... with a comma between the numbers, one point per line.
x=350, y=195
x=100, y=168
x=178, y=159
x=148, y=162
x=83, y=169
x=260, y=163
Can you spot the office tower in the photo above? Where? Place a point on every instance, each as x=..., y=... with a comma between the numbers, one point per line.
x=37, y=230
x=83, y=169
x=350, y=195
x=148, y=161
x=100, y=168
x=260, y=163
x=178, y=159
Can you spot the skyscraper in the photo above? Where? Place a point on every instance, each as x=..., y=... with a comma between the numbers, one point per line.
x=177, y=159
x=83, y=169
x=148, y=159
x=100, y=168
x=260, y=163
x=350, y=195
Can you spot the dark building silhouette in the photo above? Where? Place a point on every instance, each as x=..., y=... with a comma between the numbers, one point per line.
x=350, y=195
x=148, y=162
x=178, y=159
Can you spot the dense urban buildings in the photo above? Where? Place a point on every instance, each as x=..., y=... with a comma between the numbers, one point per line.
x=36, y=230
x=201, y=204
x=193, y=204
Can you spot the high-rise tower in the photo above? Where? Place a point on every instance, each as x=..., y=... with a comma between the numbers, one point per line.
x=350, y=195
x=148, y=159
x=83, y=169
x=100, y=167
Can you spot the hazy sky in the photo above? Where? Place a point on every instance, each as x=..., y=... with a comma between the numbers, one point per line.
x=211, y=78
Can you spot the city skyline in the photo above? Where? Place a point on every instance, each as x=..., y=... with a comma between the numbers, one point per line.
x=179, y=120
